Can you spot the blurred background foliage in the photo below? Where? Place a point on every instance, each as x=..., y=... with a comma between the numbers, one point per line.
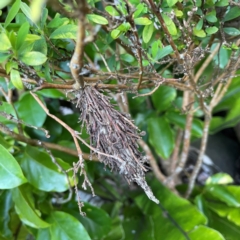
x=36, y=42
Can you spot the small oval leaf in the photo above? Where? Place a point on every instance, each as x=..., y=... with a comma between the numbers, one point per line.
x=97, y=19
x=33, y=58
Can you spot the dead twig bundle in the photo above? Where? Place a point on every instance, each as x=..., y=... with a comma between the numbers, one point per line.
x=113, y=134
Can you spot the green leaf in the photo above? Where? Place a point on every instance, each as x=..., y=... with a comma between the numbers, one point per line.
x=142, y=21
x=5, y=207
x=211, y=30
x=127, y=57
x=234, y=12
x=171, y=2
x=219, y=178
x=203, y=232
x=226, y=228
x=65, y=226
x=199, y=33
x=124, y=27
x=170, y=24
x=96, y=222
x=161, y=136
x=65, y=31
x=163, y=97
x=139, y=8
x=186, y=216
x=231, y=31
x=26, y=10
x=25, y=210
x=180, y=120
x=222, y=3
x=199, y=25
x=4, y=57
x=16, y=79
x=30, y=111
x=97, y=19
x=57, y=22
x=5, y=42
x=223, y=194
x=10, y=172
x=42, y=173
x=32, y=37
x=116, y=231
x=22, y=34
x=33, y=58
x=115, y=33
x=112, y=11
x=147, y=32
x=163, y=52
x=12, y=13
x=211, y=17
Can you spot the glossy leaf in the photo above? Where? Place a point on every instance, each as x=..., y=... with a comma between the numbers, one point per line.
x=16, y=79
x=199, y=33
x=25, y=210
x=22, y=34
x=231, y=31
x=11, y=174
x=42, y=173
x=64, y=32
x=57, y=22
x=26, y=10
x=139, y=10
x=203, y=232
x=211, y=17
x=163, y=97
x=163, y=52
x=233, y=13
x=64, y=226
x=170, y=24
x=4, y=56
x=219, y=178
x=5, y=42
x=12, y=13
x=142, y=21
x=161, y=136
x=111, y=10
x=180, y=120
x=199, y=25
x=185, y=215
x=97, y=19
x=147, y=32
x=5, y=207
x=223, y=194
x=115, y=33
x=33, y=58
x=117, y=231
x=96, y=222
x=30, y=111
x=211, y=30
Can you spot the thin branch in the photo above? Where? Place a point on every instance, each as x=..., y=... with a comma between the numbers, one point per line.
x=200, y=156
x=35, y=142
x=159, y=175
x=206, y=63
x=76, y=62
